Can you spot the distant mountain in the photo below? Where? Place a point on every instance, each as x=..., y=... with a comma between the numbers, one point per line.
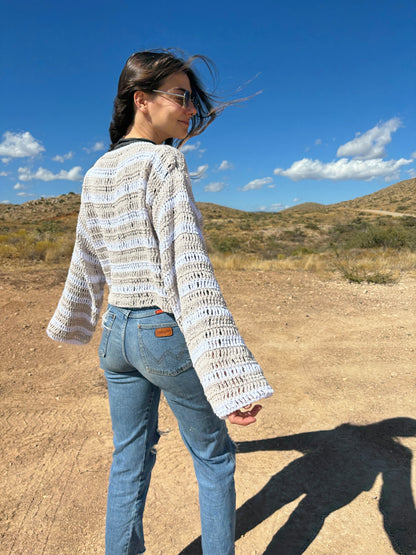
x=306, y=207
x=41, y=209
x=400, y=197
x=307, y=228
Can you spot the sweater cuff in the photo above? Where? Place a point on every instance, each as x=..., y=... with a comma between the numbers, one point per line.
x=224, y=407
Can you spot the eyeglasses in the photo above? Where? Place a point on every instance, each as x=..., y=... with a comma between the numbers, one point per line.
x=186, y=97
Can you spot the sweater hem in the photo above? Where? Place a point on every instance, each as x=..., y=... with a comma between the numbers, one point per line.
x=231, y=405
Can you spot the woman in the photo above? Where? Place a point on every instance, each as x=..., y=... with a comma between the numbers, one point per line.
x=167, y=327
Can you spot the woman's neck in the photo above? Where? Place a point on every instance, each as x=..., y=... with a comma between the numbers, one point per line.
x=143, y=131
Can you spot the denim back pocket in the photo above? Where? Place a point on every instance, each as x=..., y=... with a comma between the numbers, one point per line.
x=107, y=324
x=163, y=347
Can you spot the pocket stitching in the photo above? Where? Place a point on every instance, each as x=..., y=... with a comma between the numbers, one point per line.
x=144, y=350
x=107, y=326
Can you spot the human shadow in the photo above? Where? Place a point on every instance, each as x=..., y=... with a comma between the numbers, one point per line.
x=336, y=467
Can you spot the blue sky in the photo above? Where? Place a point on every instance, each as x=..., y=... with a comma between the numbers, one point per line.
x=335, y=120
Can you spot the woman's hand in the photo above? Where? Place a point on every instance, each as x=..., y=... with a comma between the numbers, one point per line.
x=244, y=417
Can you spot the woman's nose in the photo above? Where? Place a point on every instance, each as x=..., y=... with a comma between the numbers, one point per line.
x=191, y=109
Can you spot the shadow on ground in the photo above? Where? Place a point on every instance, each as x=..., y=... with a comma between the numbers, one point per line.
x=336, y=467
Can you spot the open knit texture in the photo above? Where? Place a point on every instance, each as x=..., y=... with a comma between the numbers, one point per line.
x=139, y=231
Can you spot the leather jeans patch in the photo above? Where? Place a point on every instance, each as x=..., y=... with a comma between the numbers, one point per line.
x=164, y=332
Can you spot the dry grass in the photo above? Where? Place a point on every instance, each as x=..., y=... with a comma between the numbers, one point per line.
x=375, y=266
x=311, y=262
x=29, y=245
x=399, y=197
x=335, y=240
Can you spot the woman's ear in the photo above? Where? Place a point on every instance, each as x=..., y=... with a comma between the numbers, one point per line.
x=140, y=101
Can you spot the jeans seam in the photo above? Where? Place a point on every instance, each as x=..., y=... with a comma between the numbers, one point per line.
x=143, y=465
x=123, y=344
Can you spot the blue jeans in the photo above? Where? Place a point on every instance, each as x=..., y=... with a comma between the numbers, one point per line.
x=143, y=352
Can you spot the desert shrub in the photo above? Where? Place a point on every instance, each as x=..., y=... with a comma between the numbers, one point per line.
x=356, y=274
x=301, y=251
x=7, y=251
x=29, y=245
x=41, y=248
x=296, y=234
x=270, y=247
x=49, y=226
x=225, y=244
x=312, y=225
x=366, y=235
x=409, y=221
x=377, y=236
x=245, y=225
x=214, y=226
x=381, y=266
x=59, y=251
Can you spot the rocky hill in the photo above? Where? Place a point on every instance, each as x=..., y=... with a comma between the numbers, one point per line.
x=302, y=229
x=400, y=197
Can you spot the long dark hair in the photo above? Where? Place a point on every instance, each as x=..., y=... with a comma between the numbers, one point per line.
x=144, y=71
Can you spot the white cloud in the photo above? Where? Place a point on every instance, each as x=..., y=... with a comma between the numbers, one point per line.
x=318, y=142
x=74, y=174
x=344, y=169
x=19, y=186
x=413, y=155
x=59, y=158
x=370, y=145
x=296, y=200
x=225, y=165
x=200, y=172
x=275, y=207
x=257, y=184
x=5, y=202
x=189, y=147
x=4, y=174
x=361, y=159
x=214, y=187
x=95, y=148
x=278, y=206
x=23, y=194
x=19, y=145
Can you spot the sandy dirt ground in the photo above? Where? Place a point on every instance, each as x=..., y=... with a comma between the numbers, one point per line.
x=326, y=470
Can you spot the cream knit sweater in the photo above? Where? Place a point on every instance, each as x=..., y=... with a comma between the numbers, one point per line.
x=139, y=231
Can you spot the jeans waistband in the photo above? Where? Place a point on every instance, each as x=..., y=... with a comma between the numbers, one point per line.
x=135, y=312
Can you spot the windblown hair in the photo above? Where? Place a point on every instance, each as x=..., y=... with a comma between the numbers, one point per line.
x=144, y=71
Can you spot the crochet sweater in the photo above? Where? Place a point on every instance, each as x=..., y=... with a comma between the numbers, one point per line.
x=139, y=231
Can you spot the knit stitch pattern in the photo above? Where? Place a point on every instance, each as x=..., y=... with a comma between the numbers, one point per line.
x=139, y=231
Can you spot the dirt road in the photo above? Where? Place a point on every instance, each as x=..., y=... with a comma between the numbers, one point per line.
x=325, y=471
